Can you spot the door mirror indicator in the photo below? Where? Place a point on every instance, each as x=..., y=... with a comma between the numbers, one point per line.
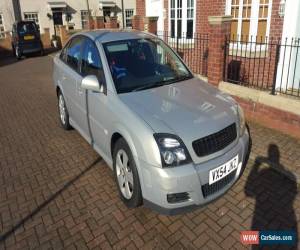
x=91, y=82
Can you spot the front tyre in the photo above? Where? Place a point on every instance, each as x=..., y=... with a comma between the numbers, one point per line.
x=126, y=175
x=63, y=112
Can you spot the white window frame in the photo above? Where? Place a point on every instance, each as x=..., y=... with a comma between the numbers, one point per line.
x=2, y=33
x=184, y=19
x=36, y=19
x=84, y=20
x=127, y=17
x=253, y=25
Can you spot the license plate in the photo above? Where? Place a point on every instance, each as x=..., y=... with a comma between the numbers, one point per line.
x=223, y=170
x=28, y=37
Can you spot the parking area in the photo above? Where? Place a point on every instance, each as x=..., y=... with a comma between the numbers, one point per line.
x=57, y=193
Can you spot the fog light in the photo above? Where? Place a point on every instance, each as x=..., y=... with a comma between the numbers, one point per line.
x=177, y=197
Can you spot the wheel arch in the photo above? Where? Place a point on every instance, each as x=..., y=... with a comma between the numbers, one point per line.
x=121, y=132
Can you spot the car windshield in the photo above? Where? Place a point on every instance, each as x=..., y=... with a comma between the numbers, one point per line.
x=139, y=64
x=26, y=28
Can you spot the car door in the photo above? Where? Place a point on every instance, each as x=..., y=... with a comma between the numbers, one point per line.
x=96, y=102
x=73, y=93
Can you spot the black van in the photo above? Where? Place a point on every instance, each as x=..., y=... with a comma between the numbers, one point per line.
x=26, y=38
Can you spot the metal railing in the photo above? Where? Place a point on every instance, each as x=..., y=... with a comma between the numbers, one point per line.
x=193, y=49
x=267, y=64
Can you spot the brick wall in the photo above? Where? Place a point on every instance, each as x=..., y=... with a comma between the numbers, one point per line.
x=276, y=25
x=141, y=8
x=271, y=117
x=204, y=9
x=166, y=21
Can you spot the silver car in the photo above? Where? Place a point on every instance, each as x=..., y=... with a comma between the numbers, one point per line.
x=173, y=141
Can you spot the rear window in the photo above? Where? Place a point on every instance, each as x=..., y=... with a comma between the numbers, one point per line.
x=25, y=28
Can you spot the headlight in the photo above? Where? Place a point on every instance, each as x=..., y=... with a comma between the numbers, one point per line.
x=172, y=150
x=241, y=120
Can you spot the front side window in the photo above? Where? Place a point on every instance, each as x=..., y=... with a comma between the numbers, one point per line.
x=128, y=16
x=182, y=18
x=249, y=18
x=2, y=30
x=91, y=62
x=73, y=53
x=139, y=64
x=32, y=16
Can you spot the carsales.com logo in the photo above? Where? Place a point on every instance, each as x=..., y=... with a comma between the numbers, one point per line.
x=268, y=237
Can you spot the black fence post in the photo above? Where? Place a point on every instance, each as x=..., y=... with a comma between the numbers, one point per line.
x=177, y=42
x=224, y=63
x=273, y=92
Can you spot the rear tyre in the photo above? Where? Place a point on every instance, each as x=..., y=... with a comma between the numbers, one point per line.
x=126, y=175
x=63, y=112
x=18, y=53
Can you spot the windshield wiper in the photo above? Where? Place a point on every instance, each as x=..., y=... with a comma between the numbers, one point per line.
x=179, y=79
x=162, y=83
x=149, y=86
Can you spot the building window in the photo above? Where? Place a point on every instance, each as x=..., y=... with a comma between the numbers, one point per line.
x=84, y=18
x=182, y=18
x=32, y=16
x=250, y=18
x=263, y=19
x=2, y=30
x=128, y=16
x=190, y=19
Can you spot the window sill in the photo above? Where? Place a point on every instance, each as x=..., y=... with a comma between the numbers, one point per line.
x=246, y=50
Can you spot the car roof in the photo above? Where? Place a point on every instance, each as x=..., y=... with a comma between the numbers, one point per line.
x=24, y=21
x=109, y=35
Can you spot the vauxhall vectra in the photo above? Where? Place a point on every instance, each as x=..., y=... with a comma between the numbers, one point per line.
x=173, y=141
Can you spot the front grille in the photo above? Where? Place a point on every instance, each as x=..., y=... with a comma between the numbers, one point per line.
x=215, y=142
x=215, y=187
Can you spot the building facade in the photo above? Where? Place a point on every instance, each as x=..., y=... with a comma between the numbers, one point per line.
x=71, y=13
x=250, y=17
x=264, y=24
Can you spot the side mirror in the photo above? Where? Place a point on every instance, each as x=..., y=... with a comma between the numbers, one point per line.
x=91, y=82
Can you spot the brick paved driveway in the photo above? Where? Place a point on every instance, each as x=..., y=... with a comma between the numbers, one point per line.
x=55, y=191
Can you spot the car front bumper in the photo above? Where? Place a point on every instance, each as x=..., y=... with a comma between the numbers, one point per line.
x=157, y=183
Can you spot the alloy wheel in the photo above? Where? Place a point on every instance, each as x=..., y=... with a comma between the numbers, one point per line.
x=124, y=174
x=62, y=109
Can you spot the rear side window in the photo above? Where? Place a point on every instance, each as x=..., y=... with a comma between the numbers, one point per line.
x=73, y=53
x=91, y=61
